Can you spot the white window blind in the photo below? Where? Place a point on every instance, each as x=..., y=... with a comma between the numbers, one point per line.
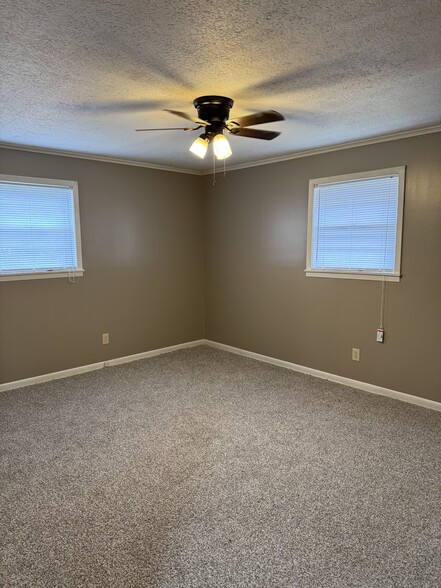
x=355, y=225
x=38, y=231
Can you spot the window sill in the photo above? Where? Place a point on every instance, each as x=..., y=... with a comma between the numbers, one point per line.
x=353, y=275
x=41, y=275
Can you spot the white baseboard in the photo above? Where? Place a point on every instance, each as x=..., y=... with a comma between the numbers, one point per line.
x=95, y=366
x=425, y=402
x=52, y=376
x=152, y=353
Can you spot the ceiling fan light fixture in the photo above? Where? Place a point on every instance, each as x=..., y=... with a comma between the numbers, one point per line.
x=200, y=146
x=213, y=117
x=221, y=147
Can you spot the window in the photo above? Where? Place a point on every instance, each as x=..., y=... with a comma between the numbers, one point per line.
x=39, y=228
x=354, y=225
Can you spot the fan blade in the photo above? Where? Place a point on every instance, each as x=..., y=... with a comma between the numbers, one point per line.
x=255, y=133
x=258, y=118
x=194, y=119
x=171, y=129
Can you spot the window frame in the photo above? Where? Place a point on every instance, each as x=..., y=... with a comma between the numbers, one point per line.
x=394, y=276
x=79, y=270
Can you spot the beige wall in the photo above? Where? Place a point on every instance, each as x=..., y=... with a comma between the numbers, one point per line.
x=142, y=250
x=258, y=298
x=143, y=247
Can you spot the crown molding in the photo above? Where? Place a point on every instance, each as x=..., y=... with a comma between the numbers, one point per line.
x=337, y=147
x=102, y=158
x=296, y=155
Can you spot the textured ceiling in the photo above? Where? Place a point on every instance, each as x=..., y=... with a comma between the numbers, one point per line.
x=81, y=75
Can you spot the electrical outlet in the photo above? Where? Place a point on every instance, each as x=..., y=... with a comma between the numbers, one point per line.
x=355, y=354
x=106, y=338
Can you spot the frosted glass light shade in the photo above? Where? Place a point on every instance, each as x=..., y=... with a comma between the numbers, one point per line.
x=221, y=147
x=199, y=147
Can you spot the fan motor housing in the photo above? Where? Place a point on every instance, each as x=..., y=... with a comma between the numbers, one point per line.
x=213, y=109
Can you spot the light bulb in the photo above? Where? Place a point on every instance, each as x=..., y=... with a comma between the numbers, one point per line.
x=221, y=147
x=199, y=147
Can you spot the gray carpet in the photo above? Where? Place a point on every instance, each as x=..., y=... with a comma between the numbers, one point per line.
x=204, y=469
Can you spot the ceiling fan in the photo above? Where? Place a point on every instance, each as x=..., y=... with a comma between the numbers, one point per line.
x=213, y=117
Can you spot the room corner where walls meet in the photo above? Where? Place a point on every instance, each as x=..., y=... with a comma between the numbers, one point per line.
x=170, y=258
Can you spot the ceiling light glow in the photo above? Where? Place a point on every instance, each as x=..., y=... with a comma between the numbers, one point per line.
x=200, y=146
x=221, y=147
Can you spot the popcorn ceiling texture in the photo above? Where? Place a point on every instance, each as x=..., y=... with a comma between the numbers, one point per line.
x=204, y=469
x=83, y=75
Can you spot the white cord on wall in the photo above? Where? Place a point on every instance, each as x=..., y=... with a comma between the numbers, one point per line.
x=383, y=298
x=383, y=282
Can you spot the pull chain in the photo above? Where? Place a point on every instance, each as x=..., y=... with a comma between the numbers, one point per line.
x=214, y=169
